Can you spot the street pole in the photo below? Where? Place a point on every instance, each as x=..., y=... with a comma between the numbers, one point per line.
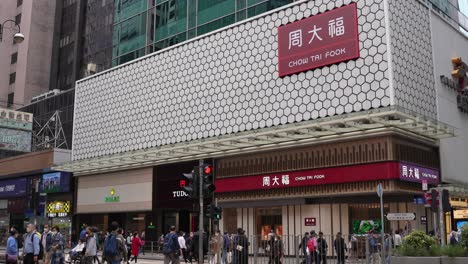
x=441, y=218
x=200, y=217
x=380, y=194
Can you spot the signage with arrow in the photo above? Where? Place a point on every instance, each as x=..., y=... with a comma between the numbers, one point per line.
x=401, y=216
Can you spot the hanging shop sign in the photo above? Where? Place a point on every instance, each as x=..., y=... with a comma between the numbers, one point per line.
x=320, y=40
x=112, y=198
x=413, y=173
x=58, y=209
x=12, y=188
x=15, y=140
x=55, y=182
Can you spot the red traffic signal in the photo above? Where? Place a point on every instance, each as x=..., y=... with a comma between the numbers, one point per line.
x=207, y=169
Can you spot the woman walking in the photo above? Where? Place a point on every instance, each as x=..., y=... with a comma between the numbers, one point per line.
x=136, y=244
x=12, y=248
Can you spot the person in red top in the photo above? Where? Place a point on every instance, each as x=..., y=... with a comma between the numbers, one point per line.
x=136, y=244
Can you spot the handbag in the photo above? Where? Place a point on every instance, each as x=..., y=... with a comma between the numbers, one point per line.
x=239, y=248
x=12, y=258
x=229, y=257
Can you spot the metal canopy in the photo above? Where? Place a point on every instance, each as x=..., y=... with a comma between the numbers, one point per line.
x=295, y=134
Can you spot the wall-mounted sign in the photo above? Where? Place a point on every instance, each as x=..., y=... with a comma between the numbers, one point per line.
x=14, y=139
x=401, y=216
x=112, y=198
x=423, y=220
x=12, y=188
x=319, y=40
x=16, y=119
x=310, y=221
x=58, y=209
x=413, y=173
x=55, y=182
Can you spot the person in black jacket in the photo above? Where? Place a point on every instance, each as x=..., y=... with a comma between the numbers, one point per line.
x=303, y=247
x=340, y=248
x=241, y=246
x=322, y=249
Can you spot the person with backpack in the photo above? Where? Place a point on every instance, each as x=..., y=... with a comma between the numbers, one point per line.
x=32, y=246
x=171, y=247
x=322, y=249
x=57, y=247
x=114, y=246
x=312, y=247
x=340, y=248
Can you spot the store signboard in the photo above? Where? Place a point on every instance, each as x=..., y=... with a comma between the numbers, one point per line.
x=12, y=188
x=320, y=40
x=14, y=139
x=55, y=182
x=414, y=173
x=112, y=197
x=58, y=209
x=357, y=173
x=15, y=119
x=310, y=221
x=460, y=214
x=401, y=216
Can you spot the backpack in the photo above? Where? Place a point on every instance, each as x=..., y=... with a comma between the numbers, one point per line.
x=41, y=247
x=169, y=246
x=111, y=246
x=311, y=245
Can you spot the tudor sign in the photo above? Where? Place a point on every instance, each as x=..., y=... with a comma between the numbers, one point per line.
x=318, y=41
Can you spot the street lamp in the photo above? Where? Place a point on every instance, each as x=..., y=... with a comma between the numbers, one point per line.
x=18, y=37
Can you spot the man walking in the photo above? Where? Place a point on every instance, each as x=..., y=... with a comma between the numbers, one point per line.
x=114, y=246
x=171, y=247
x=340, y=248
x=183, y=247
x=57, y=247
x=91, y=247
x=46, y=242
x=31, y=249
x=322, y=249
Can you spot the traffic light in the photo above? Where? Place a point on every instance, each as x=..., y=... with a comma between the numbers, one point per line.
x=208, y=180
x=190, y=183
x=434, y=200
x=447, y=207
x=218, y=213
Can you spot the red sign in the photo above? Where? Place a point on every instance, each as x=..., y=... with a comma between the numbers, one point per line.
x=319, y=40
x=356, y=173
x=310, y=221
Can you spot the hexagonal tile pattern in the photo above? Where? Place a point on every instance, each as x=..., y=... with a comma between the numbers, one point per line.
x=227, y=82
x=412, y=57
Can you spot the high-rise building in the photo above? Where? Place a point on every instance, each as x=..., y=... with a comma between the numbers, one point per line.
x=25, y=67
x=145, y=26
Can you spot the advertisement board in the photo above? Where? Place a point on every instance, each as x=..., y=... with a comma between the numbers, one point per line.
x=13, y=188
x=16, y=140
x=317, y=41
x=362, y=227
x=16, y=119
x=55, y=182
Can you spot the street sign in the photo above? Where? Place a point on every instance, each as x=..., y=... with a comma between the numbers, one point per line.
x=401, y=216
x=424, y=185
x=423, y=220
x=379, y=190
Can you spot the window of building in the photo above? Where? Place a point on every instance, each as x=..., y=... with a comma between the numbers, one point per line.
x=19, y=2
x=11, y=99
x=18, y=19
x=268, y=219
x=12, y=78
x=14, y=58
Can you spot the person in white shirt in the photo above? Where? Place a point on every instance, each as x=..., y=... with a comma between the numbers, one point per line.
x=183, y=247
x=397, y=239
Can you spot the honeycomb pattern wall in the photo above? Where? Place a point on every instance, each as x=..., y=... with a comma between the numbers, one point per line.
x=227, y=82
x=412, y=57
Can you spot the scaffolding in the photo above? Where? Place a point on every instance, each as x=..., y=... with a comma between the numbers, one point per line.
x=49, y=134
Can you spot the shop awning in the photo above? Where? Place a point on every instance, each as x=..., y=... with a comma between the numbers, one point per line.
x=296, y=134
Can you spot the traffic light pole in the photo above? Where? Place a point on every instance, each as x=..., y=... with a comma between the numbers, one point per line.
x=200, y=219
x=441, y=217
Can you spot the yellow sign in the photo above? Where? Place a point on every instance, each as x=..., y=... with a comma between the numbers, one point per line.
x=460, y=214
x=58, y=209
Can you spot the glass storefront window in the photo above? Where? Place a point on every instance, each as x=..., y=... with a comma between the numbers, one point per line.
x=268, y=219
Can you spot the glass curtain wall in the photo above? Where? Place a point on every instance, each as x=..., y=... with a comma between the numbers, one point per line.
x=145, y=26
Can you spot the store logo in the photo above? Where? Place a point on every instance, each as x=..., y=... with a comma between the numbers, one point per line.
x=180, y=194
x=112, y=198
x=58, y=209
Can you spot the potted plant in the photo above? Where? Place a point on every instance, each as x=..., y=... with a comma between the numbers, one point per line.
x=418, y=248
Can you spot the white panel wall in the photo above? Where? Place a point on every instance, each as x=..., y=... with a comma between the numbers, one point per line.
x=227, y=82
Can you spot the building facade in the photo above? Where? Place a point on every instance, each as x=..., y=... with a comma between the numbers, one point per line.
x=296, y=125
x=25, y=67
